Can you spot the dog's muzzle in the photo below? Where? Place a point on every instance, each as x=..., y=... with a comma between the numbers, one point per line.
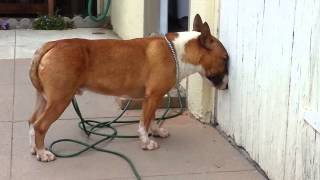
x=219, y=81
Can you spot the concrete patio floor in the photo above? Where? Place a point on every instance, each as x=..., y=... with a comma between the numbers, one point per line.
x=193, y=151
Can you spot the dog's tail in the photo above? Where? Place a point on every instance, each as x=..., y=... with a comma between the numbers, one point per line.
x=36, y=59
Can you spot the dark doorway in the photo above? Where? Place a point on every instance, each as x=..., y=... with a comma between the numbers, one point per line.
x=71, y=8
x=178, y=11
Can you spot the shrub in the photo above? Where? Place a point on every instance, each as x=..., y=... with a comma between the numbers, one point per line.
x=51, y=23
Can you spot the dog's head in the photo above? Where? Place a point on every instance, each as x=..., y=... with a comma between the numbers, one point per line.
x=212, y=55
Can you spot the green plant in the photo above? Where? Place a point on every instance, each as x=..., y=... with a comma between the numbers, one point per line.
x=51, y=23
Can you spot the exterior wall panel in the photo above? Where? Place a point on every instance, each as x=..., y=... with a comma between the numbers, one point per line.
x=127, y=18
x=274, y=79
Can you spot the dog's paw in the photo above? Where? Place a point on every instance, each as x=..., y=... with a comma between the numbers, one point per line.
x=150, y=145
x=33, y=151
x=161, y=132
x=45, y=156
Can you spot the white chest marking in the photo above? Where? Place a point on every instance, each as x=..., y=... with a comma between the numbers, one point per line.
x=185, y=68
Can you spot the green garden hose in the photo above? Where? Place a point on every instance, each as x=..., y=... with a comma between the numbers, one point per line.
x=90, y=127
x=103, y=15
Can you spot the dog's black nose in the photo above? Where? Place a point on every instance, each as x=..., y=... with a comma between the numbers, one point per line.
x=227, y=87
x=215, y=80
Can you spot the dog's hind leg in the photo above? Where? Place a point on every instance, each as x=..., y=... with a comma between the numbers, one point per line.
x=52, y=111
x=39, y=108
x=57, y=93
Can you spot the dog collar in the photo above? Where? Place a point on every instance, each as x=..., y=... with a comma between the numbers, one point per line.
x=173, y=51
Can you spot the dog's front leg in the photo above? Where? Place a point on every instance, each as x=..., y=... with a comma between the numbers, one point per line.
x=149, y=107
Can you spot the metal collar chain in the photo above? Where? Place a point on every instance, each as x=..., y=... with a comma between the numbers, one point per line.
x=170, y=44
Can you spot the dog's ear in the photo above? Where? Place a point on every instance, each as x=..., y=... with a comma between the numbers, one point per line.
x=205, y=37
x=197, y=23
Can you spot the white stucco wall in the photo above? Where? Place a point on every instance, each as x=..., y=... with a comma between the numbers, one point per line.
x=127, y=18
x=200, y=92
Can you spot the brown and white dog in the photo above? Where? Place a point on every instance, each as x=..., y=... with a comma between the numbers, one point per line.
x=138, y=68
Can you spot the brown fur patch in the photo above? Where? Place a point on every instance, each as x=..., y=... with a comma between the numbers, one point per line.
x=214, y=60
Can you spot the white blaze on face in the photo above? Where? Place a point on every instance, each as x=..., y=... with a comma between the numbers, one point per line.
x=185, y=68
x=225, y=81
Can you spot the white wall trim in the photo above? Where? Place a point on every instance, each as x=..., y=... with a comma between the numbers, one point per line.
x=163, y=16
